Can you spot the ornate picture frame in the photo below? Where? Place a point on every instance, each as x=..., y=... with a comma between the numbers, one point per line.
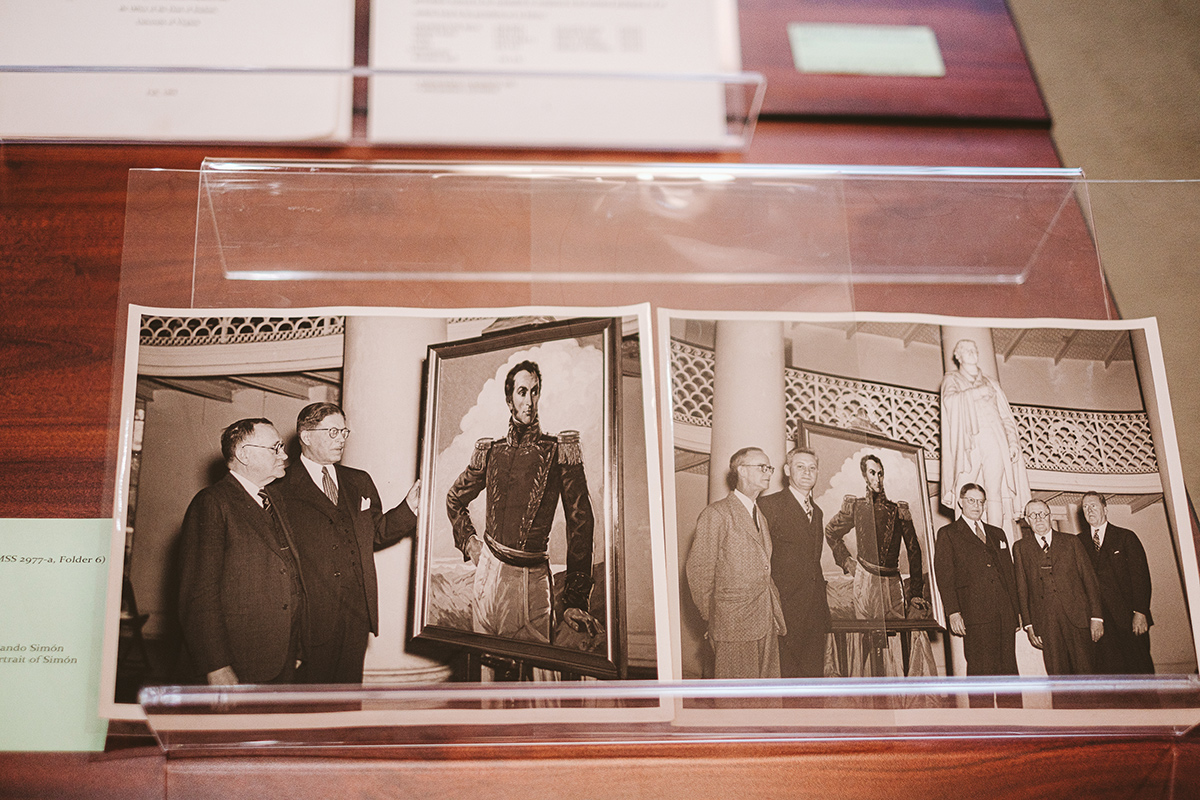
x=840, y=451
x=467, y=422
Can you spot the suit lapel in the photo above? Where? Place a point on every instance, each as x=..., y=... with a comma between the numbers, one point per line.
x=967, y=533
x=810, y=533
x=795, y=507
x=307, y=491
x=347, y=497
x=240, y=497
x=743, y=517
x=792, y=510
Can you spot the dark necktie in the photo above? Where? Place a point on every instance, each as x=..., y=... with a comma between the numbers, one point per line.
x=1045, y=544
x=755, y=515
x=979, y=532
x=276, y=526
x=808, y=507
x=1096, y=538
x=328, y=485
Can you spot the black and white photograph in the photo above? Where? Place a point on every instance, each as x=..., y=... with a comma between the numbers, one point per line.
x=275, y=481
x=519, y=538
x=894, y=496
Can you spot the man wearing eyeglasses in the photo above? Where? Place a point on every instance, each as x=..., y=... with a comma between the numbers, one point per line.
x=729, y=575
x=338, y=521
x=1058, y=595
x=975, y=576
x=241, y=598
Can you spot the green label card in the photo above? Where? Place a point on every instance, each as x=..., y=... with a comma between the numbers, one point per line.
x=52, y=587
x=883, y=50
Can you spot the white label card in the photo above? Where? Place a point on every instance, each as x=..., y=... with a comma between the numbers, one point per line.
x=166, y=105
x=601, y=67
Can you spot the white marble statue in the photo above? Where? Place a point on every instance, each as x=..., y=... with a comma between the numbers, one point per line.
x=980, y=443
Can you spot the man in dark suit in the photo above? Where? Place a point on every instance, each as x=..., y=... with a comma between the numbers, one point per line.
x=241, y=593
x=338, y=521
x=1058, y=594
x=978, y=587
x=729, y=575
x=797, y=534
x=1124, y=576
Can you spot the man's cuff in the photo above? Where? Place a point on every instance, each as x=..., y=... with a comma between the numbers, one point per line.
x=1097, y=619
x=577, y=589
x=1029, y=627
x=466, y=551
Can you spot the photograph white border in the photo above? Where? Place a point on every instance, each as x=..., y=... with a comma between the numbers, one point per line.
x=208, y=722
x=941, y=719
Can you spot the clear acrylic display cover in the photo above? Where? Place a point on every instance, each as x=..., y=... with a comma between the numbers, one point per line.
x=996, y=243
x=365, y=106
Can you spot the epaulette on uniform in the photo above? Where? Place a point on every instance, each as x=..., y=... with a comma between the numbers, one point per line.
x=569, y=449
x=849, y=500
x=479, y=457
x=903, y=509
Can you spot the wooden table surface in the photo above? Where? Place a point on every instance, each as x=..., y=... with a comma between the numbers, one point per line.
x=987, y=75
x=62, y=211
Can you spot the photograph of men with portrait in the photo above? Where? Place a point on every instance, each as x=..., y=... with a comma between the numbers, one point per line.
x=907, y=496
x=300, y=494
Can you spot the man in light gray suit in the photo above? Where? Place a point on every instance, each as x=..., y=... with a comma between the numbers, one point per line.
x=729, y=574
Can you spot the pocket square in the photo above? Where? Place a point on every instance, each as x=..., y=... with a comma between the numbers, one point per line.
x=366, y=503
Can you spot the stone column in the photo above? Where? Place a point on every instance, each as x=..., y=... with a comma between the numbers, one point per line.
x=381, y=394
x=748, y=399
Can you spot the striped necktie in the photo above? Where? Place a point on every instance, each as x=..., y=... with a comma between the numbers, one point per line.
x=328, y=485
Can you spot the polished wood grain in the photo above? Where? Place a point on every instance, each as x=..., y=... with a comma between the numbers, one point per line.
x=987, y=75
x=995, y=768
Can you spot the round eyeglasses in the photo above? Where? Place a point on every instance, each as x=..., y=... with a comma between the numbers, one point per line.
x=335, y=433
x=767, y=468
x=276, y=448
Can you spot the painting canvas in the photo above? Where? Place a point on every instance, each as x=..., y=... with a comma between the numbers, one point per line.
x=530, y=501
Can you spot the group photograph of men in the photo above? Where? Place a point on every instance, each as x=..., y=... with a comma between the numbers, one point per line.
x=277, y=529
x=409, y=497
x=897, y=496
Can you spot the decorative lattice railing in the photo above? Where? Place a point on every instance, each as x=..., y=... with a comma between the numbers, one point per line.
x=1057, y=439
x=196, y=331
